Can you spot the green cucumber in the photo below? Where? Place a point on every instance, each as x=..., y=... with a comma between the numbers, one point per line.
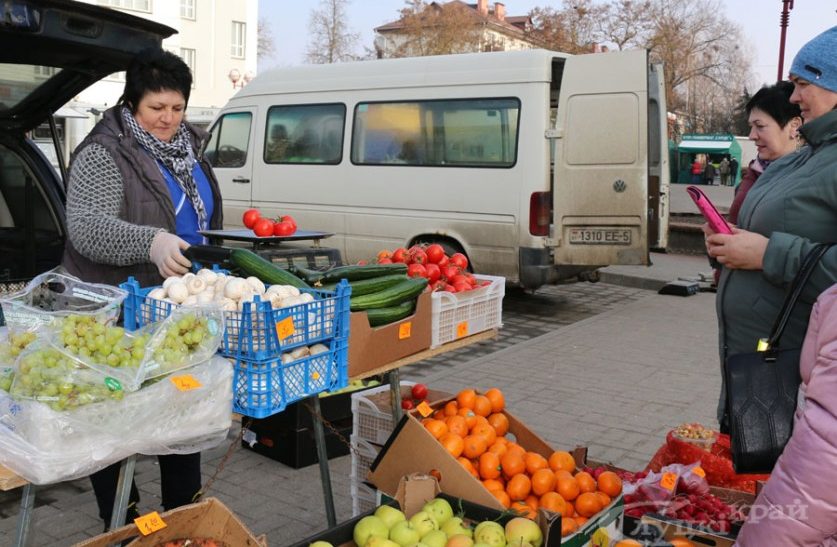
x=252, y=264
x=368, y=286
x=349, y=273
x=391, y=296
x=391, y=314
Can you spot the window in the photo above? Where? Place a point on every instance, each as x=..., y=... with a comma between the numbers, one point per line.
x=136, y=5
x=44, y=71
x=238, y=36
x=305, y=134
x=188, y=56
x=229, y=140
x=187, y=9
x=450, y=133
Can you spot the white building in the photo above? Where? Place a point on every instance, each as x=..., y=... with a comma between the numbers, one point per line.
x=216, y=38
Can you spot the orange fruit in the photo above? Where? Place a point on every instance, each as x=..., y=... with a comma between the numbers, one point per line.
x=524, y=510
x=482, y=406
x=514, y=447
x=588, y=504
x=628, y=543
x=453, y=443
x=470, y=417
x=466, y=398
x=552, y=501
x=581, y=521
x=543, y=481
x=518, y=487
x=466, y=463
x=586, y=482
x=512, y=463
x=561, y=459
x=437, y=428
x=457, y=425
x=568, y=526
x=604, y=497
x=485, y=431
x=489, y=466
x=439, y=414
x=681, y=542
x=502, y=497
x=474, y=446
x=498, y=401
x=568, y=488
x=499, y=422
x=498, y=448
x=534, y=462
x=532, y=501
x=494, y=484
x=609, y=483
x=451, y=408
x=563, y=474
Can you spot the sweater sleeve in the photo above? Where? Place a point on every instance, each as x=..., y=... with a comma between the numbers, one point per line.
x=94, y=199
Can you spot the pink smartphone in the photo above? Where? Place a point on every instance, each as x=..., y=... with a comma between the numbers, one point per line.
x=715, y=219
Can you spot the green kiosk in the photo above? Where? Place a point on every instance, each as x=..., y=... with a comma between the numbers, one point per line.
x=714, y=147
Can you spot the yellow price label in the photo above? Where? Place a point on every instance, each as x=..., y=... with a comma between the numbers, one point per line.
x=762, y=345
x=405, y=330
x=669, y=481
x=600, y=538
x=149, y=523
x=285, y=328
x=185, y=382
x=424, y=409
x=462, y=329
x=699, y=472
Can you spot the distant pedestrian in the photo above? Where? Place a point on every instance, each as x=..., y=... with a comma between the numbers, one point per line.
x=723, y=169
x=697, y=172
x=733, y=170
x=709, y=173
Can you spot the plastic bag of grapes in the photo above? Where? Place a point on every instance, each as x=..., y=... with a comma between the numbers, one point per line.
x=12, y=343
x=56, y=293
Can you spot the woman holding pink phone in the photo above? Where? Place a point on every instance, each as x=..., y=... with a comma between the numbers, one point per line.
x=791, y=208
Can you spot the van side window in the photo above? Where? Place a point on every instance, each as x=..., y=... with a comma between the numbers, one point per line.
x=305, y=134
x=450, y=133
x=229, y=140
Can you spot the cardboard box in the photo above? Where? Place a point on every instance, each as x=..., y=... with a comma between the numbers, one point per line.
x=412, y=449
x=207, y=519
x=371, y=348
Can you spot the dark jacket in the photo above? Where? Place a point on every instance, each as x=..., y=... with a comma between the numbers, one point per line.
x=146, y=199
x=747, y=181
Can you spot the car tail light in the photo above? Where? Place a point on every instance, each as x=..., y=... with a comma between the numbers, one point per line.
x=540, y=213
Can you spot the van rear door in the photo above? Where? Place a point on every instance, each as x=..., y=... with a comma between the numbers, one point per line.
x=600, y=186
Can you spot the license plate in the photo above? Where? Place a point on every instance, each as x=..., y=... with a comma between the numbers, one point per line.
x=600, y=236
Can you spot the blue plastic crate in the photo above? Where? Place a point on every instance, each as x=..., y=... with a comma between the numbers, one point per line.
x=263, y=388
x=252, y=333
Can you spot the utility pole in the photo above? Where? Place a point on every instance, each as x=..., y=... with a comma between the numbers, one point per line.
x=783, y=24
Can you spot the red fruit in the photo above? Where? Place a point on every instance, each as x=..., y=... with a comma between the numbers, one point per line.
x=263, y=227
x=418, y=256
x=407, y=404
x=438, y=286
x=462, y=286
x=250, y=217
x=435, y=252
x=385, y=260
x=289, y=219
x=419, y=391
x=433, y=272
x=597, y=471
x=283, y=228
x=399, y=255
x=449, y=272
x=444, y=261
x=416, y=270
x=459, y=260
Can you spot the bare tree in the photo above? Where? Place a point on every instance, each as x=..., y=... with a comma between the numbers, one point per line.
x=332, y=41
x=625, y=23
x=575, y=28
x=266, y=47
x=438, y=29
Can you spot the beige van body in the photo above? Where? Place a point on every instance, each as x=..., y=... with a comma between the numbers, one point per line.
x=539, y=166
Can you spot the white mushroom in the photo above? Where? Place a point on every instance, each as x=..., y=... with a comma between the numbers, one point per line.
x=169, y=280
x=190, y=300
x=157, y=294
x=205, y=298
x=234, y=288
x=209, y=277
x=195, y=284
x=256, y=284
x=178, y=292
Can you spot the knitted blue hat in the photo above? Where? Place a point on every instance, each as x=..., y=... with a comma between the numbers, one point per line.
x=816, y=62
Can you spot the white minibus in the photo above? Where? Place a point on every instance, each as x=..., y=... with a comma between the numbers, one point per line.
x=539, y=166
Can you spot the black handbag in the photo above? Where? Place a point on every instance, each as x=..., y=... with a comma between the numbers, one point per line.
x=762, y=387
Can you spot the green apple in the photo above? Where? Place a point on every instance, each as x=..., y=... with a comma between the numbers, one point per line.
x=378, y=541
x=520, y=531
x=321, y=544
x=460, y=540
x=440, y=509
x=369, y=526
x=390, y=515
x=423, y=522
x=436, y=538
x=404, y=534
x=490, y=533
x=455, y=527
x=486, y=544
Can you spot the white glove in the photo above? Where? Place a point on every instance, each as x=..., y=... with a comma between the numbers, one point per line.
x=166, y=254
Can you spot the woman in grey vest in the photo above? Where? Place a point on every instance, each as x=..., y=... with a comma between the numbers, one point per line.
x=139, y=193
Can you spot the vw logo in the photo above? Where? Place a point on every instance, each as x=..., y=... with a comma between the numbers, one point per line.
x=619, y=185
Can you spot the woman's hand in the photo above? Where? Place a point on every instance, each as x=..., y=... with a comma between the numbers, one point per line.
x=742, y=250
x=166, y=254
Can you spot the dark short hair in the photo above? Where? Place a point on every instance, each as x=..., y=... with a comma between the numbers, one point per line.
x=775, y=101
x=155, y=70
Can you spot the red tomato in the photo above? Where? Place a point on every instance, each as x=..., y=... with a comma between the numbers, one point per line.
x=462, y=286
x=407, y=404
x=435, y=252
x=458, y=278
x=289, y=219
x=433, y=272
x=459, y=260
x=399, y=255
x=416, y=270
x=449, y=287
x=438, y=286
x=283, y=228
x=444, y=261
x=263, y=227
x=419, y=391
x=449, y=272
x=250, y=217
x=471, y=279
x=418, y=256
x=386, y=260
x=383, y=253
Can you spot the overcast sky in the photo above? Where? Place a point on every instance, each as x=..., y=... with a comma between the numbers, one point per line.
x=759, y=20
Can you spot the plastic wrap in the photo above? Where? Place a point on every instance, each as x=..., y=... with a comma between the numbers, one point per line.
x=45, y=446
x=188, y=336
x=55, y=294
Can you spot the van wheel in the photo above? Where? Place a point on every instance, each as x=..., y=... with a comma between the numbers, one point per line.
x=450, y=249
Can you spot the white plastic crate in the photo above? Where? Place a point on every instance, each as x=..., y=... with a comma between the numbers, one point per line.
x=372, y=413
x=363, y=454
x=456, y=315
x=364, y=499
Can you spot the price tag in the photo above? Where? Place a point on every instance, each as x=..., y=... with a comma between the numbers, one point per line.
x=462, y=329
x=285, y=328
x=185, y=382
x=424, y=409
x=149, y=523
x=669, y=481
x=405, y=330
x=762, y=345
x=699, y=472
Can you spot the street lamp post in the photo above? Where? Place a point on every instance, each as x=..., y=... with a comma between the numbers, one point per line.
x=783, y=23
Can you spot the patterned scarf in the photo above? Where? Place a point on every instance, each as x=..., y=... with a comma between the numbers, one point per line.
x=177, y=156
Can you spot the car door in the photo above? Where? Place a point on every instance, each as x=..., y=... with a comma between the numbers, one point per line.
x=230, y=150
